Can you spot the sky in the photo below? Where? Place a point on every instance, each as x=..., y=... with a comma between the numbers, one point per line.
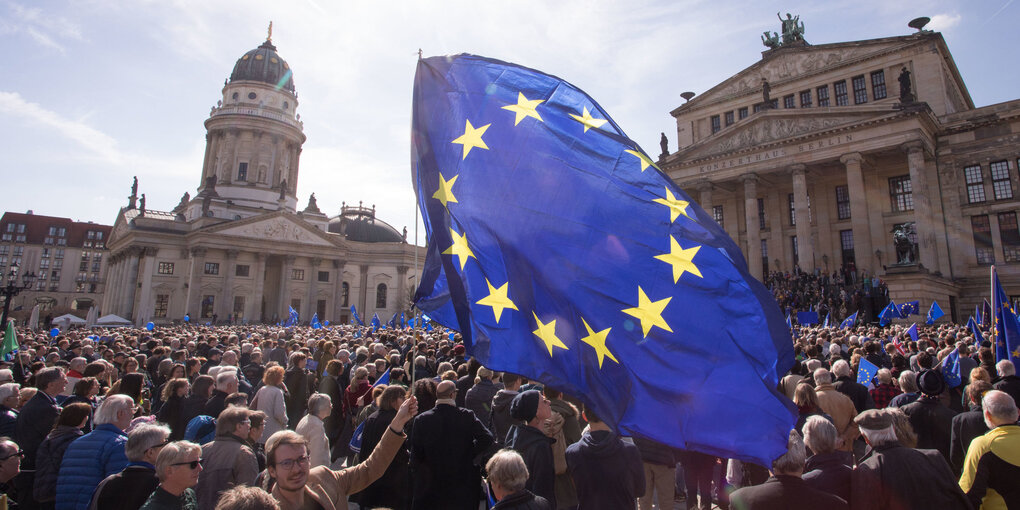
x=95, y=92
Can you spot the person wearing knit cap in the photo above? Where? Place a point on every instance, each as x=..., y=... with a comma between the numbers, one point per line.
x=893, y=476
x=530, y=409
x=932, y=421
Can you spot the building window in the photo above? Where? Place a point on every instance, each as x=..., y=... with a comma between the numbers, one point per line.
x=742, y=113
x=58, y=253
x=1002, y=187
x=345, y=294
x=60, y=241
x=796, y=253
x=212, y=268
x=901, y=193
x=242, y=171
x=58, y=263
x=823, y=95
x=208, y=305
x=1010, y=236
x=761, y=213
x=20, y=238
x=715, y=123
x=860, y=89
x=6, y=237
x=878, y=85
x=83, y=266
x=846, y=244
x=774, y=104
x=757, y=107
x=841, y=97
x=975, y=184
x=19, y=251
x=242, y=270
x=165, y=268
x=983, y=249
x=788, y=102
x=805, y=98
x=729, y=118
x=297, y=274
x=95, y=267
x=162, y=306
x=44, y=264
x=717, y=214
x=764, y=256
x=238, y=307
x=380, y=296
x=323, y=276
x=842, y=203
x=793, y=210
x=55, y=275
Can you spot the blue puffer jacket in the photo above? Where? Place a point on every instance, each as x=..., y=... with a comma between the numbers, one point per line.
x=89, y=460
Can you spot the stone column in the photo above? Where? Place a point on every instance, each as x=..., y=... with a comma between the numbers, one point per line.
x=336, y=287
x=401, y=300
x=145, y=301
x=110, y=290
x=197, y=267
x=260, y=286
x=863, y=253
x=924, y=223
x=207, y=163
x=134, y=257
x=705, y=196
x=751, y=218
x=805, y=245
x=313, y=279
x=285, y=273
x=363, y=302
x=235, y=143
x=227, y=307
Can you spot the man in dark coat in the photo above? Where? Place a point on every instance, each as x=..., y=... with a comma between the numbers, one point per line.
x=226, y=383
x=828, y=470
x=894, y=477
x=607, y=472
x=506, y=475
x=35, y=421
x=848, y=386
x=444, y=444
x=968, y=425
x=501, y=420
x=531, y=409
x=128, y=489
x=1008, y=381
x=932, y=421
x=786, y=489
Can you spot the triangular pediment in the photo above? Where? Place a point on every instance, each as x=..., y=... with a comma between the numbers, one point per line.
x=786, y=64
x=777, y=125
x=277, y=227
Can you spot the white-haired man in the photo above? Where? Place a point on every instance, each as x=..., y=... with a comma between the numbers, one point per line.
x=226, y=383
x=130, y=488
x=992, y=466
x=786, y=485
x=846, y=384
x=893, y=476
x=74, y=374
x=507, y=475
x=9, y=395
x=1008, y=381
x=908, y=385
x=96, y=455
x=838, y=406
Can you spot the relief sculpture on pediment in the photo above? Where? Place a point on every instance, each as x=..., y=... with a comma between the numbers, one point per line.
x=771, y=130
x=784, y=67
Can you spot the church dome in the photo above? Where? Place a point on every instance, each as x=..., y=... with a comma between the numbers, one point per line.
x=360, y=224
x=263, y=64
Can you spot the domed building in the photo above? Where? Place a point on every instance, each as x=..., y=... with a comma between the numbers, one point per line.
x=239, y=250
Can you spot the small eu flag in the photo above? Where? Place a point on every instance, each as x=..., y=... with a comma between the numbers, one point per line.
x=560, y=251
x=978, y=337
x=866, y=371
x=375, y=322
x=890, y=312
x=910, y=308
x=912, y=331
x=934, y=313
x=849, y=321
x=951, y=369
x=355, y=317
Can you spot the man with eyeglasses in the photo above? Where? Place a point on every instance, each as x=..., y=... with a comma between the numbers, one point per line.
x=10, y=466
x=297, y=486
x=229, y=460
x=178, y=465
x=129, y=489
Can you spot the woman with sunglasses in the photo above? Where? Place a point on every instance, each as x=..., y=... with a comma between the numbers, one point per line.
x=177, y=465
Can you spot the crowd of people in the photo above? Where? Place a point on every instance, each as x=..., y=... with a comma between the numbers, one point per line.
x=840, y=293
x=265, y=417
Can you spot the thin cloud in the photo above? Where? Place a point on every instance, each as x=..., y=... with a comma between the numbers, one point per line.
x=89, y=138
x=44, y=28
x=943, y=22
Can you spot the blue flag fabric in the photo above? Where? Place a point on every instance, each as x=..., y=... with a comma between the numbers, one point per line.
x=827, y=317
x=849, y=321
x=866, y=371
x=978, y=337
x=890, y=312
x=912, y=331
x=951, y=369
x=403, y=323
x=977, y=314
x=355, y=317
x=383, y=379
x=315, y=321
x=910, y=308
x=375, y=322
x=292, y=318
x=934, y=313
x=561, y=252
x=807, y=318
x=1005, y=331
x=392, y=323
x=986, y=308
x=359, y=432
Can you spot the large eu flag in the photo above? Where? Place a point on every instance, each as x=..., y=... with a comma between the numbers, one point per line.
x=1005, y=331
x=562, y=253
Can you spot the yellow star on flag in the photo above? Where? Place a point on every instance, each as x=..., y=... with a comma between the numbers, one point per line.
x=588, y=120
x=676, y=207
x=598, y=342
x=1016, y=352
x=497, y=299
x=682, y=260
x=445, y=192
x=645, y=162
x=460, y=248
x=649, y=312
x=524, y=108
x=472, y=137
x=547, y=332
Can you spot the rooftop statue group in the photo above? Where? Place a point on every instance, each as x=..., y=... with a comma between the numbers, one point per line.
x=793, y=31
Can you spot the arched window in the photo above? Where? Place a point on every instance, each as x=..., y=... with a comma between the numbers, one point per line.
x=380, y=296
x=345, y=294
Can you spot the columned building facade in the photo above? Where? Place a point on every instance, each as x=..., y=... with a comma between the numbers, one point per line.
x=240, y=250
x=868, y=156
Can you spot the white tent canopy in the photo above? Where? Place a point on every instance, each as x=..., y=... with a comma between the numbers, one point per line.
x=112, y=320
x=70, y=319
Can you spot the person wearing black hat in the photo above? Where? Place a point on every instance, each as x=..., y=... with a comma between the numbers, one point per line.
x=893, y=476
x=932, y=421
x=531, y=409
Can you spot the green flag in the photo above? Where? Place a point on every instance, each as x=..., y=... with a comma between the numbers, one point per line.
x=10, y=340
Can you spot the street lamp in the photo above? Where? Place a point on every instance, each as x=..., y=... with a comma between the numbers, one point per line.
x=12, y=288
